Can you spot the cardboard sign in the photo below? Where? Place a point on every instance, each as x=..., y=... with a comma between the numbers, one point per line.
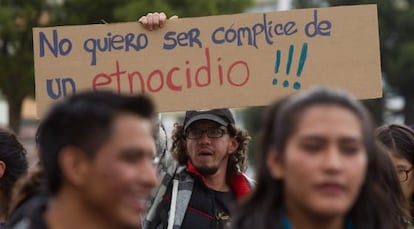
x=213, y=62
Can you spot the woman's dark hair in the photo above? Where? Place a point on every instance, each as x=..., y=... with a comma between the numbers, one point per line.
x=392, y=188
x=261, y=209
x=13, y=154
x=399, y=140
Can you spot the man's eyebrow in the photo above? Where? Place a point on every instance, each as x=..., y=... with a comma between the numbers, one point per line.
x=312, y=137
x=139, y=151
x=350, y=139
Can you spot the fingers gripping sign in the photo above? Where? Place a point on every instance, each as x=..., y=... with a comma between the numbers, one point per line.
x=155, y=20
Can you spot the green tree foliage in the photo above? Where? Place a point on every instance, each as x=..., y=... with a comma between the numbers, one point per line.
x=16, y=59
x=308, y=3
x=86, y=12
x=396, y=25
x=182, y=8
x=79, y=12
x=251, y=118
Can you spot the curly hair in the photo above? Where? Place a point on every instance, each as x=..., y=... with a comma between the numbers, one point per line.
x=237, y=161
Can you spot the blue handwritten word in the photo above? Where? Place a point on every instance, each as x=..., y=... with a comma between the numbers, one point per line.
x=172, y=39
x=58, y=46
x=301, y=64
x=264, y=30
x=315, y=28
x=127, y=42
x=62, y=87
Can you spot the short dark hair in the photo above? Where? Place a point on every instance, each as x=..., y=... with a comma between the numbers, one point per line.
x=13, y=154
x=85, y=121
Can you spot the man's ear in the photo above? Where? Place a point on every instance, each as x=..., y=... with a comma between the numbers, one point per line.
x=274, y=164
x=234, y=144
x=74, y=164
x=2, y=168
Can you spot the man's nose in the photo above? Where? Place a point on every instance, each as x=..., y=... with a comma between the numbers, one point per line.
x=149, y=174
x=204, y=137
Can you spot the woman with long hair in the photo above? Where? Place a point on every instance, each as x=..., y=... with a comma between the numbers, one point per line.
x=399, y=142
x=318, y=168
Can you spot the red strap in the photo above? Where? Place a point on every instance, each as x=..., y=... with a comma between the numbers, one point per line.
x=238, y=182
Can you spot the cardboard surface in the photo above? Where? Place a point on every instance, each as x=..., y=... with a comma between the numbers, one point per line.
x=212, y=62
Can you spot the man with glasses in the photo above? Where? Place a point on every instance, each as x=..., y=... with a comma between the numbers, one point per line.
x=211, y=153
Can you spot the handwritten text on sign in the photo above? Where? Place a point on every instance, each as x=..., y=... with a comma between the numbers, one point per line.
x=219, y=61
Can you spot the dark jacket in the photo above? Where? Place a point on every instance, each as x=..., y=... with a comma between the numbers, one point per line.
x=26, y=208
x=197, y=206
x=30, y=214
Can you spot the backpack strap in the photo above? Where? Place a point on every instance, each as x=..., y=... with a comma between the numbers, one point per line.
x=173, y=205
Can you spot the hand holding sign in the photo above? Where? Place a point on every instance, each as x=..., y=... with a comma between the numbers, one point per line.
x=154, y=20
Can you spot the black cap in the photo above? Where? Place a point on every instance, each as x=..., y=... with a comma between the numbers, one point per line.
x=221, y=116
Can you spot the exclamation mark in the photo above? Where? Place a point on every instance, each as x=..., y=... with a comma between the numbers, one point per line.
x=302, y=60
x=290, y=57
x=277, y=65
x=301, y=64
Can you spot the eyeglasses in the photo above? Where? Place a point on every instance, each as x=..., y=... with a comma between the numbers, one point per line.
x=403, y=174
x=211, y=133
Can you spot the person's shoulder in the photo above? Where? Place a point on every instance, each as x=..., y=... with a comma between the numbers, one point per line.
x=27, y=223
x=250, y=181
x=182, y=172
x=22, y=224
x=27, y=207
x=408, y=223
x=29, y=214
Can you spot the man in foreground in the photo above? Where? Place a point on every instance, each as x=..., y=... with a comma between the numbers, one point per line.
x=97, y=151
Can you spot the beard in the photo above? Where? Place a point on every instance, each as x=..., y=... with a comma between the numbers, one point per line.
x=206, y=171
